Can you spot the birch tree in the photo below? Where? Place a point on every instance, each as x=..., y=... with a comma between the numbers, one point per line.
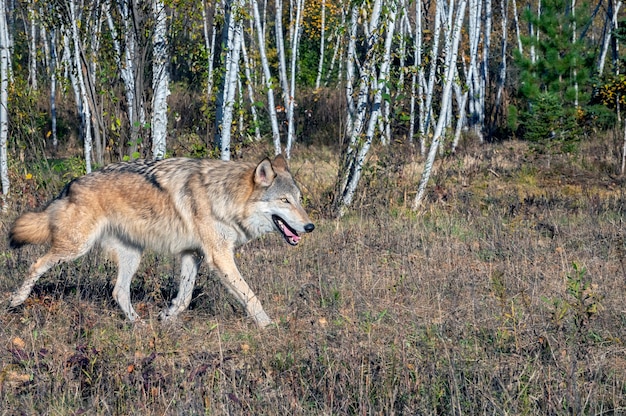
x=73, y=48
x=227, y=92
x=53, y=87
x=320, y=65
x=210, y=41
x=358, y=146
x=445, y=98
x=417, y=71
x=4, y=101
x=32, y=45
x=160, y=81
x=295, y=41
x=267, y=76
x=130, y=58
x=474, y=30
x=424, y=124
x=247, y=71
x=280, y=50
x=610, y=24
x=504, y=7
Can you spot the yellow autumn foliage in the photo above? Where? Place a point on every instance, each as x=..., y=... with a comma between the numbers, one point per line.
x=312, y=17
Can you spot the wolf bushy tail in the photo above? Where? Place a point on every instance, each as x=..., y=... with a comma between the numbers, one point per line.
x=30, y=228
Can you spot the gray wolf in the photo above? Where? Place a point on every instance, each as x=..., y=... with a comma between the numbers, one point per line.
x=198, y=209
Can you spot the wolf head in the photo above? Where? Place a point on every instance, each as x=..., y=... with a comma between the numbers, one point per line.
x=277, y=205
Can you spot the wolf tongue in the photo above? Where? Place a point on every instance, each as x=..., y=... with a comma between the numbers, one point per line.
x=290, y=235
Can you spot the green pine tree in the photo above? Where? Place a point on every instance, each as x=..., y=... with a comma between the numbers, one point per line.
x=547, y=90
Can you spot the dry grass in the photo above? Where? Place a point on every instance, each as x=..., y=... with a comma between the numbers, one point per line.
x=472, y=306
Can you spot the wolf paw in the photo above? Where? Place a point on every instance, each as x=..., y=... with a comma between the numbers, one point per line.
x=262, y=320
x=167, y=316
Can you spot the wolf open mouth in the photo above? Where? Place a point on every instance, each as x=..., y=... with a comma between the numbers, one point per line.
x=290, y=235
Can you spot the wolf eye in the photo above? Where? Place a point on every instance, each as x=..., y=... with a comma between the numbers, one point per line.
x=285, y=200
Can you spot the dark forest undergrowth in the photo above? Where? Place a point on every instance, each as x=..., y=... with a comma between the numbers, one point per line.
x=503, y=295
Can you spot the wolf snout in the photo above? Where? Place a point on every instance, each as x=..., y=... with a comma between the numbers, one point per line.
x=309, y=227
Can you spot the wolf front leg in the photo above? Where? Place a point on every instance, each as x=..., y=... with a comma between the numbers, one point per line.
x=224, y=263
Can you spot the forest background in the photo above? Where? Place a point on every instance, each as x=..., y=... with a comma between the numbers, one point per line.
x=493, y=283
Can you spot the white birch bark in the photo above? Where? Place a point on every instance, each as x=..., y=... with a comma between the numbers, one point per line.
x=419, y=78
x=240, y=123
x=295, y=41
x=337, y=46
x=534, y=34
x=502, y=75
x=53, y=88
x=474, y=31
x=518, y=34
x=462, y=102
x=253, y=112
x=32, y=46
x=434, y=54
x=383, y=78
x=445, y=98
x=280, y=50
x=160, y=81
x=484, y=70
x=43, y=34
x=358, y=146
x=210, y=44
x=350, y=70
x=447, y=54
x=4, y=100
x=230, y=79
x=417, y=56
x=68, y=66
x=82, y=89
x=350, y=163
x=575, y=72
x=373, y=120
x=320, y=65
x=90, y=66
x=609, y=25
x=129, y=64
x=267, y=75
x=623, y=169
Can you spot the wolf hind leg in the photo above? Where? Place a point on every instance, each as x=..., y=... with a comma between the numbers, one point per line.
x=188, y=271
x=128, y=258
x=53, y=257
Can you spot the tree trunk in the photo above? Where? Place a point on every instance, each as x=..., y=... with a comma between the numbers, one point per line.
x=53, y=88
x=267, y=75
x=82, y=88
x=518, y=34
x=358, y=146
x=295, y=41
x=32, y=46
x=623, y=169
x=246, y=66
x=445, y=98
x=350, y=70
x=320, y=65
x=210, y=43
x=610, y=24
x=4, y=99
x=504, y=5
x=229, y=88
x=280, y=50
x=160, y=81
x=434, y=54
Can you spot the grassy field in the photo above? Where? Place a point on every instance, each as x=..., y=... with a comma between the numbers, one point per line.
x=504, y=295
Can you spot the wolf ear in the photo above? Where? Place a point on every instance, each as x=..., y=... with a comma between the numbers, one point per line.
x=280, y=163
x=264, y=173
